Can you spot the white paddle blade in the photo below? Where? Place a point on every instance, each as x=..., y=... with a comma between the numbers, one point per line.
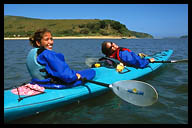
x=135, y=92
x=90, y=61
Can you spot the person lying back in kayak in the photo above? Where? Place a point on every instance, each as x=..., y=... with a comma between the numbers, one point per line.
x=48, y=68
x=124, y=55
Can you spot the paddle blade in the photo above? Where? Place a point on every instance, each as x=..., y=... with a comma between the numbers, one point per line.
x=90, y=61
x=135, y=92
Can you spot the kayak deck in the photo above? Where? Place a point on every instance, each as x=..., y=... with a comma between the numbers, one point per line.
x=14, y=109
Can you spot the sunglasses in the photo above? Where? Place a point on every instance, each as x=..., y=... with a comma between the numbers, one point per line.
x=110, y=48
x=111, y=45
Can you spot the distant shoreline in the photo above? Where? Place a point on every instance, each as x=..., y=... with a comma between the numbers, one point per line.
x=76, y=37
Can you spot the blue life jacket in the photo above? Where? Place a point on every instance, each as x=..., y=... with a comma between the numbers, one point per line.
x=33, y=66
x=48, y=81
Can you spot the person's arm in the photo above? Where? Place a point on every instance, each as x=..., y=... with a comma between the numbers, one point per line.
x=133, y=59
x=56, y=66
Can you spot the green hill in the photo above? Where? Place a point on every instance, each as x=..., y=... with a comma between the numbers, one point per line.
x=184, y=36
x=24, y=27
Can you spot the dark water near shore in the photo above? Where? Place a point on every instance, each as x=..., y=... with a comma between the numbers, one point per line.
x=171, y=82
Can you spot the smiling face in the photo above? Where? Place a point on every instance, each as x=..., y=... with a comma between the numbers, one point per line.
x=46, y=41
x=111, y=46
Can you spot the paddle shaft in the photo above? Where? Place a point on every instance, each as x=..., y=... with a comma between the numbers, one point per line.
x=170, y=61
x=161, y=62
x=95, y=82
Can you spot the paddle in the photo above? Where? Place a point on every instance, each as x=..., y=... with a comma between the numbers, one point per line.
x=171, y=61
x=90, y=61
x=132, y=91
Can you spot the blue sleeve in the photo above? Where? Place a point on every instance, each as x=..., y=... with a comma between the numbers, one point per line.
x=56, y=66
x=132, y=59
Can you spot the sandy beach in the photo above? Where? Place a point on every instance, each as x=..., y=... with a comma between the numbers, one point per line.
x=73, y=37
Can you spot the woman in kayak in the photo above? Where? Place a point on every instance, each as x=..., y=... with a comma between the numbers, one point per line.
x=124, y=55
x=48, y=68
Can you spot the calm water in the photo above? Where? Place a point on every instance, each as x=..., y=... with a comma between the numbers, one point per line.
x=171, y=82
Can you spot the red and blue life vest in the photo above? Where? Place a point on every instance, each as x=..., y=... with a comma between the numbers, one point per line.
x=115, y=55
x=134, y=60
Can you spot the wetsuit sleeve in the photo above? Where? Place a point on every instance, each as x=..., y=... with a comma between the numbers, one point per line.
x=133, y=59
x=56, y=66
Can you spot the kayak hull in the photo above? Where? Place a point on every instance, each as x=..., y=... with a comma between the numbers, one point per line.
x=52, y=98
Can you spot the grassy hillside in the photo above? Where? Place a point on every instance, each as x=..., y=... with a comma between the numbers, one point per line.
x=24, y=27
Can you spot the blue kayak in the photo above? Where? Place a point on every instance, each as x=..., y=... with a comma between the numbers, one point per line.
x=52, y=98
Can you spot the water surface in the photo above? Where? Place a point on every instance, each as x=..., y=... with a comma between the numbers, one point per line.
x=171, y=82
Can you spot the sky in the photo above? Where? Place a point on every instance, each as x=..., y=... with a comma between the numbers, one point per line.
x=159, y=20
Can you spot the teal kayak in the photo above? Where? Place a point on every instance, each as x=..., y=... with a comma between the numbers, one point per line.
x=52, y=98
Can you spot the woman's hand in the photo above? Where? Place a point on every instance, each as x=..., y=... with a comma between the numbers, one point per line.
x=151, y=60
x=78, y=76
